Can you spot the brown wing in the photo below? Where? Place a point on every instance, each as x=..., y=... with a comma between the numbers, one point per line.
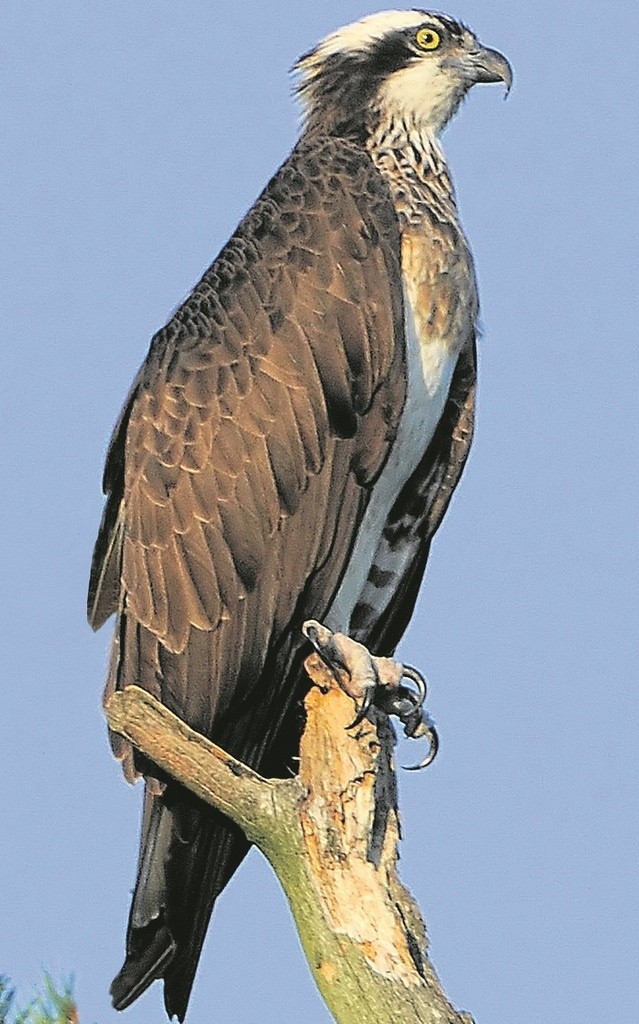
x=388, y=599
x=242, y=464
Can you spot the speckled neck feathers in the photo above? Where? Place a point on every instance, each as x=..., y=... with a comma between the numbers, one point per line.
x=412, y=163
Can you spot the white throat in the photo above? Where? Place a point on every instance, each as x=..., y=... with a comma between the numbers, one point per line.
x=422, y=96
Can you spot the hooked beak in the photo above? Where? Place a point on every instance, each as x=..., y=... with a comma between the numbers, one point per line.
x=486, y=65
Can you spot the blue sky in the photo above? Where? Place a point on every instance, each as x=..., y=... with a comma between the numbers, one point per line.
x=135, y=136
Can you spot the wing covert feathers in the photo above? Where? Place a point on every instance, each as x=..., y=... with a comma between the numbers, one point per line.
x=274, y=372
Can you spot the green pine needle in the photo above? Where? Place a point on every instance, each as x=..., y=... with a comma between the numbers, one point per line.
x=7, y=996
x=51, y=1005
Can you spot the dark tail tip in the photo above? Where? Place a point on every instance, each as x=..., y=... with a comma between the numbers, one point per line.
x=178, y=982
x=150, y=953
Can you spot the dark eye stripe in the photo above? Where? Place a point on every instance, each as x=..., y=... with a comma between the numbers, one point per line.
x=391, y=53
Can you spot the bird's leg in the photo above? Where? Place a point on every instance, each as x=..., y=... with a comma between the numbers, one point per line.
x=370, y=680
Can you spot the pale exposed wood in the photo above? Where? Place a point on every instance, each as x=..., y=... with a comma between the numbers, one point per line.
x=331, y=835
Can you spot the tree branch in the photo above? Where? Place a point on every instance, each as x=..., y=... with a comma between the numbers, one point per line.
x=331, y=836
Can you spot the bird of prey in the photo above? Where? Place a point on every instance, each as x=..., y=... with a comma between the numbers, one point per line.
x=290, y=446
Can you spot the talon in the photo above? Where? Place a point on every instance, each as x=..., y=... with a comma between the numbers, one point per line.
x=407, y=705
x=310, y=631
x=429, y=733
x=422, y=689
x=369, y=694
x=323, y=640
x=376, y=681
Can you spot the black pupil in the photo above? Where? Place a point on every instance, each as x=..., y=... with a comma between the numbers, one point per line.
x=428, y=38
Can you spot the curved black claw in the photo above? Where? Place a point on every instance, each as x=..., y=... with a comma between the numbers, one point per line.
x=429, y=733
x=412, y=673
x=408, y=706
x=364, y=708
x=323, y=641
x=403, y=702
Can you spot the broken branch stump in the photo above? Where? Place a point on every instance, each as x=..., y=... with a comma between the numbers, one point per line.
x=331, y=837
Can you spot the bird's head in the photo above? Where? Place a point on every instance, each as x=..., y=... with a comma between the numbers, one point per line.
x=413, y=65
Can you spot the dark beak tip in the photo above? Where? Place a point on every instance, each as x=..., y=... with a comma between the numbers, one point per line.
x=495, y=67
x=508, y=81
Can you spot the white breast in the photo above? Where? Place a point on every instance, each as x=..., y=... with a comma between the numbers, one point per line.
x=430, y=369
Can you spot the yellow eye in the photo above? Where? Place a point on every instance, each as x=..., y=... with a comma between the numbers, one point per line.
x=428, y=39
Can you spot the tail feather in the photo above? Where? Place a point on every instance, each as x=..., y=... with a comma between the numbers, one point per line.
x=226, y=849
x=148, y=956
x=188, y=854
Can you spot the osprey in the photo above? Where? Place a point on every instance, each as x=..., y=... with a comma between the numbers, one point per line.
x=290, y=445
